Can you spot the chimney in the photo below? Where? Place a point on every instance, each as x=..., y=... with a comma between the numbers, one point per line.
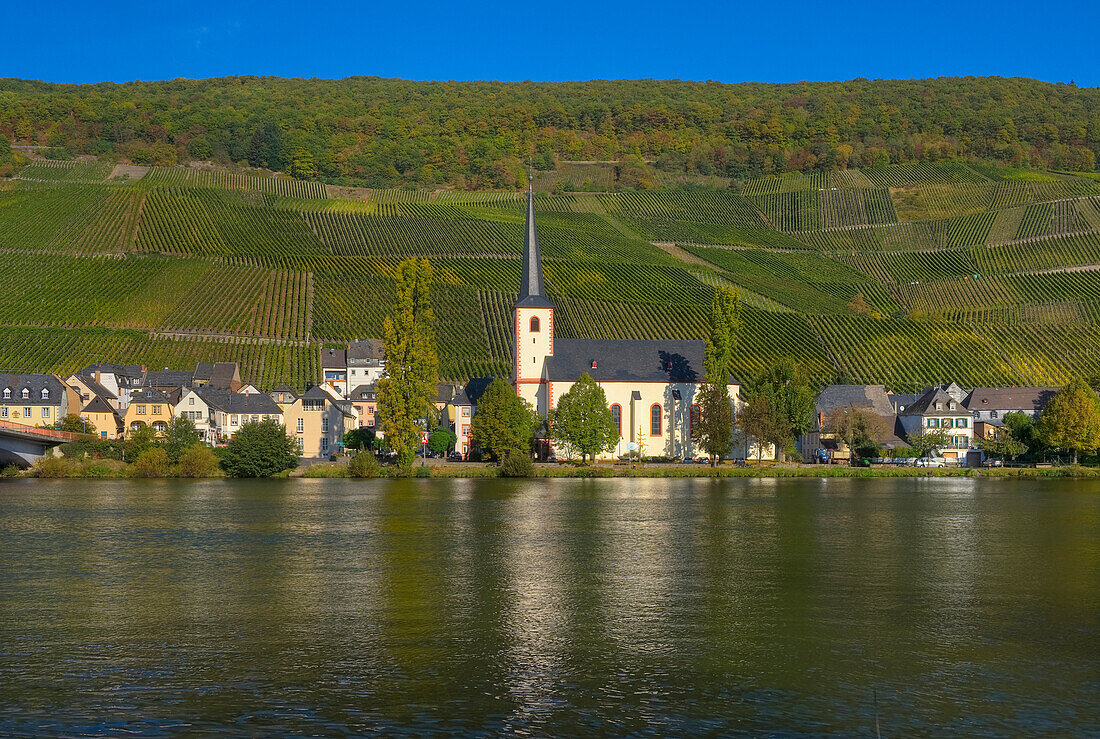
x=97, y=376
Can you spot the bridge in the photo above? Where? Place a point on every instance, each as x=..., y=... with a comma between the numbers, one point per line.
x=24, y=445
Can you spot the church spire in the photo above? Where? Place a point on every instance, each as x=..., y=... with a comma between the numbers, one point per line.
x=532, y=293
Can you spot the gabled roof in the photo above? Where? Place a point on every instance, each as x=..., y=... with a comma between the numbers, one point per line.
x=1032, y=399
x=34, y=385
x=621, y=360
x=872, y=397
x=334, y=358
x=149, y=395
x=365, y=350
x=284, y=388
x=224, y=374
x=364, y=392
x=926, y=404
x=317, y=393
x=96, y=388
x=238, y=404
x=117, y=370
x=168, y=378
x=99, y=405
x=532, y=292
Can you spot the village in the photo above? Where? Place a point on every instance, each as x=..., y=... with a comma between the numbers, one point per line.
x=652, y=390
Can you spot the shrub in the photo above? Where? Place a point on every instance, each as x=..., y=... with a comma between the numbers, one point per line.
x=52, y=468
x=260, y=450
x=517, y=465
x=423, y=471
x=198, y=460
x=363, y=464
x=151, y=463
x=10, y=471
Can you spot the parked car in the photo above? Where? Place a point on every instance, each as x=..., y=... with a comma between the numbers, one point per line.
x=994, y=463
x=929, y=462
x=454, y=457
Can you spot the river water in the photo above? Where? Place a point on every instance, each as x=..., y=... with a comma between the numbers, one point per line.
x=326, y=607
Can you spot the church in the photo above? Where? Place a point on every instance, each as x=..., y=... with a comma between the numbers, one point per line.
x=651, y=385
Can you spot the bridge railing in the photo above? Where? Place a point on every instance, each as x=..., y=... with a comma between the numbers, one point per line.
x=51, y=433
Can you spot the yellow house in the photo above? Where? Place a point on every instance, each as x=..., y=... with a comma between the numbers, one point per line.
x=318, y=422
x=36, y=400
x=148, y=408
x=102, y=419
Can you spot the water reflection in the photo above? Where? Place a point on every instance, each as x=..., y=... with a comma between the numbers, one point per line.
x=549, y=607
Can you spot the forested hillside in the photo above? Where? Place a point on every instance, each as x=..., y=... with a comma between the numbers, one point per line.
x=478, y=135
x=904, y=275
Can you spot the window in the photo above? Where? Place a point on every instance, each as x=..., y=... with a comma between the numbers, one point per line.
x=534, y=324
x=45, y=394
x=324, y=425
x=45, y=411
x=233, y=420
x=696, y=415
x=26, y=412
x=7, y=393
x=933, y=423
x=465, y=411
x=617, y=417
x=4, y=412
x=993, y=414
x=103, y=434
x=255, y=419
x=962, y=423
x=191, y=400
x=301, y=427
x=952, y=406
x=156, y=410
x=141, y=410
x=301, y=445
x=324, y=444
x=26, y=393
x=655, y=420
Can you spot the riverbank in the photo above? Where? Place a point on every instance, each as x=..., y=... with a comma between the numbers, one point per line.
x=113, y=470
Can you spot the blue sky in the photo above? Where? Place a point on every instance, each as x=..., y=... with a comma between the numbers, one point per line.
x=730, y=42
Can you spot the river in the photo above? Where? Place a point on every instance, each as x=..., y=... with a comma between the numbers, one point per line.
x=330, y=607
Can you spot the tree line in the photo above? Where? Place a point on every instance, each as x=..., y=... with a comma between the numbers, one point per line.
x=480, y=135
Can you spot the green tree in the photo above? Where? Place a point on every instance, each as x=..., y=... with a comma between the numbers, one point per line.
x=138, y=440
x=260, y=449
x=860, y=429
x=180, y=434
x=1022, y=428
x=442, y=440
x=407, y=388
x=791, y=402
x=714, y=431
x=302, y=165
x=928, y=441
x=151, y=463
x=1002, y=444
x=73, y=424
x=1071, y=420
x=504, y=422
x=583, y=422
x=361, y=438
x=759, y=422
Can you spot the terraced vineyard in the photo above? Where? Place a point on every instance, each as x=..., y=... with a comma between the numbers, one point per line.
x=902, y=275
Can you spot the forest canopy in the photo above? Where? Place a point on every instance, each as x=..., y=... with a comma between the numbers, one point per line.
x=480, y=135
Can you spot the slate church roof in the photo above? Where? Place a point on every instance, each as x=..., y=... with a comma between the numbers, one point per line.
x=625, y=360
x=532, y=292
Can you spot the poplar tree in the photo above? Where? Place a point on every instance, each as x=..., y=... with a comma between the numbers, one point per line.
x=714, y=430
x=407, y=387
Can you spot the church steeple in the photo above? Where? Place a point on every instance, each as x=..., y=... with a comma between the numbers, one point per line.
x=532, y=294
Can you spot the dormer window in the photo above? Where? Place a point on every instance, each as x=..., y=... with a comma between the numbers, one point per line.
x=45, y=394
x=952, y=406
x=7, y=393
x=939, y=406
x=26, y=393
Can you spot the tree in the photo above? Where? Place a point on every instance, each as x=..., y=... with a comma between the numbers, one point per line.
x=198, y=460
x=442, y=440
x=1002, y=444
x=759, y=422
x=140, y=439
x=260, y=449
x=1071, y=420
x=73, y=424
x=714, y=430
x=504, y=422
x=583, y=421
x=860, y=429
x=180, y=434
x=151, y=463
x=302, y=166
x=1022, y=428
x=930, y=440
x=360, y=439
x=790, y=401
x=407, y=388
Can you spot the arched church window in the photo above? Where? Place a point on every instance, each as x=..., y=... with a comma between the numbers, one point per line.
x=534, y=324
x=655, y=420
x=617, y=417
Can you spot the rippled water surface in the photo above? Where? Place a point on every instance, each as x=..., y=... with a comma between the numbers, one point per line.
x=327, y=607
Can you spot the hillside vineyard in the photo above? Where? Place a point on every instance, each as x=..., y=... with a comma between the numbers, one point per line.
x=906, y=275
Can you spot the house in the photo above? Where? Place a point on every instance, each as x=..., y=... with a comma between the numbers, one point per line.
x=365, y=400
x=167, y=380
x=318, y=421
x=228, y=411
x=365, y=362
x=334, y=367
x=193, y=406
x=988, y=405
x=460, y=410
x=148, y=407
x=938, y=410
x=121, y=380
x=873, y=399
x=36, y=400
x=651, y=386
x=89, y=388
x=102, y=419
x=217, y=375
